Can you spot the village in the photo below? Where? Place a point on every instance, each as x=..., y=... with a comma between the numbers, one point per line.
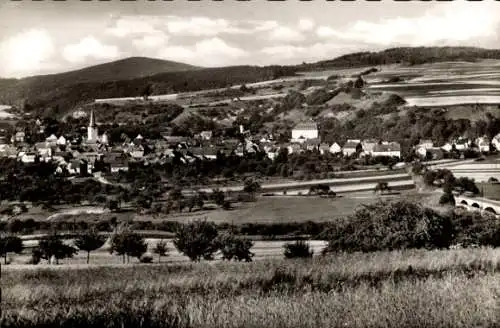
x=93, y=153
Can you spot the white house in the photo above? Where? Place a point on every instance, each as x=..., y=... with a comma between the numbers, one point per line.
x=350, y=147
x=27, y=157
x=305, y=130
x=368, y=146
x=496, y=141
x=447, y=147
x=335, y=148
x=61, y=141
x=51, y=140
x=19, y=136
x=483, y=143
x=392, y=149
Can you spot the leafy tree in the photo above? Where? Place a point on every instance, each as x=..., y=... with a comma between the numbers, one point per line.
x=197, y=240
x=161, y=249
x=10, y=244
x=389, y=226
x=90, y=241
x=235, y=247
x=218, y=197
x=297, y=249
x=251, y=186
x=52, y=245
x=447, y=198
x=127, y=243
x=382, y=187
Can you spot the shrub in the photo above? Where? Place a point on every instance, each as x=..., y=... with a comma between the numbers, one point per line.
x=389, y=226
x=10, y=244
x=197, y=240
x=447, y=198
x=90, y=241
x=492, y=180
x=146, y=259
x=297, y=249
x=52, y=246
x=161, y=249
x=473, y=228
x=235, y=247
x=127, y=243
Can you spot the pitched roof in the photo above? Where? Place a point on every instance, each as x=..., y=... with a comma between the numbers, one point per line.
x=306, y=126
x=393, y=146
x=351, y=144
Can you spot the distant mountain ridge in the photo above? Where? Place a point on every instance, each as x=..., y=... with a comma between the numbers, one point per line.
x=130, y=76
x=406, y=55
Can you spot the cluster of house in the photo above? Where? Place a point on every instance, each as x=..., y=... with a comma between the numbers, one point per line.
x=305, y=136
x=78, y=156
x=483, y=144
x=85, y=156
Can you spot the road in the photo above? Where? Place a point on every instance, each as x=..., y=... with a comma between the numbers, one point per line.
x=332, y=182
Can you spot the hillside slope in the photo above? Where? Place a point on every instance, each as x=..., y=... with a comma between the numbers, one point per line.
x=58, y=94
x=405, y=55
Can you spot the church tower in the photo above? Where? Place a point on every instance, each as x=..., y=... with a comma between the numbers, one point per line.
x=92, y=129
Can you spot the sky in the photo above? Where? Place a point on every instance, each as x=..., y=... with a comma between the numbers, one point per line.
x=42, y=37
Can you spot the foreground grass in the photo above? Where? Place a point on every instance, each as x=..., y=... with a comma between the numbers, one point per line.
x=456, y=288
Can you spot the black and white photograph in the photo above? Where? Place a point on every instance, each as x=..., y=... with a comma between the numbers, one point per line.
x=249, y=164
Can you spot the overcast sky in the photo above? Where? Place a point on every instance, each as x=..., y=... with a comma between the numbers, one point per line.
x=50, y=37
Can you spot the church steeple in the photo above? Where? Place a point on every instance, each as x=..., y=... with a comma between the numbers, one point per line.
x=92, y=120
x=92, y=129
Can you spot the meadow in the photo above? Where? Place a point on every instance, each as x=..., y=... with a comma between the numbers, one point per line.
x=418, y=288
x=442, y=84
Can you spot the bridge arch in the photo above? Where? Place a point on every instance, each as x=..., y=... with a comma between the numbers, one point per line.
x=476, y=205
x=464, y=202
x=490, y=209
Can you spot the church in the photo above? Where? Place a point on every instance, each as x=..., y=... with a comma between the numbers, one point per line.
x=93, y=133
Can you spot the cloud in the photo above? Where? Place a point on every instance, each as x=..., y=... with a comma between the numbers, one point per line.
x=201, y=26
x=207, y=52
x=306, y=25
x=455, y=23
x=132, y=25
x=26, y=53
x=151, y=41
x=285, y=34
x=89, y=47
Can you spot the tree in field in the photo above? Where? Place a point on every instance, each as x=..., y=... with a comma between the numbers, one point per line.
x=197, y=240
x=251, y=186
x=447, y=198
x=127, y=243
x=382, y=187
x=52, y=246
x=10, y=244
x=90, y=241
x=161, y=249
x=235, y=247
x=218, y=197
x=298, y=249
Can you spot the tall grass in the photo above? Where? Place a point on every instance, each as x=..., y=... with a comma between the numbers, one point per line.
x=455, y=288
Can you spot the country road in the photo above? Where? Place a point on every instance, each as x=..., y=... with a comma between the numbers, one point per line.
x=332, y=182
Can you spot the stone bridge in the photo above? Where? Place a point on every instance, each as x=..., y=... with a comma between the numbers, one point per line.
x=478, y=204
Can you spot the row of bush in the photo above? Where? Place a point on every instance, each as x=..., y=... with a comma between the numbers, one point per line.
x=196, y=240
x=381, y=226
x=31, y=226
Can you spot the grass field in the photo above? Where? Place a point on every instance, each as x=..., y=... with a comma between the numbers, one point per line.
x=265, y=210
x=490, y=190
x=453, y=288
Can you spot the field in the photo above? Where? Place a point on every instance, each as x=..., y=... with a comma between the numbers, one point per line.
x=272, y=209
x=442, y=84
x=452, y=288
